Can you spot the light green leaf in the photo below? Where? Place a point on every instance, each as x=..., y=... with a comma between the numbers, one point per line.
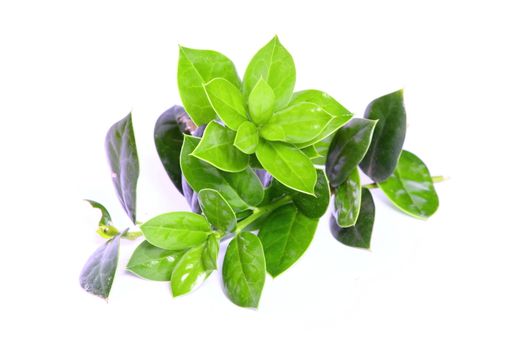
x=275, y=65
x=189, y=273
x=210, y=253
x=247, y=138
x=216, y=148
x=217, y=210
x=227, y=101
x=153, y=263
x=311, y=152
x=197, y=67
x=261, y=102
x=347, y=200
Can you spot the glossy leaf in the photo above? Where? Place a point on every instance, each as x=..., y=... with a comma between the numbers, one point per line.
x=210, y=253
x=261, y=102
x=105, y=219
x=121, y=151
x=227, y=101
x=298, y=123
x=241, y=190
x=310, y=152
x=169, y=135
x=360, y=234
x=216, y=148
x=189, y=273
x=347, y=200
x=177, y=230
x=99, y=271
x=197, y=67
x=288, y=165
x=275, y=65
x=411, y=188
x=243, y=270
x=315, y=207
x=348, y=148
x=389, y=134
x=218, y=212
x=340, y=114
x=247, y=138
x=285, y=236
x=153, y=263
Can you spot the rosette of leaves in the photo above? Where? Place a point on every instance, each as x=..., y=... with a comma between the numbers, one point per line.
x=258, y=164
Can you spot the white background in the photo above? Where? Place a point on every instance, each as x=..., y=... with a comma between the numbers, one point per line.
x=68, y=70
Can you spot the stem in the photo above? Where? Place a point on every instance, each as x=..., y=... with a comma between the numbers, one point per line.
x=435, y=179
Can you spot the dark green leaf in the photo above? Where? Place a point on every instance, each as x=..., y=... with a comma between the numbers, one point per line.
x=275, y=65
x=347, y=200
x=197, y=67
x=261, y=102
x=99, y=271
x=389, y=135
x=410, y=187
x=241, y=190
x=227, y=101
x=348, y=148
x=177, y=230
x=360, y=234
x=124, y=163
x=105, y=219
x=247, y=138
x=315, y=207
x=210, y=253
x=243, y=270
x=217, y=210
x=153, y=263
x=189, y=273
x=288, y=165
x=216, y=148
x=285, y=236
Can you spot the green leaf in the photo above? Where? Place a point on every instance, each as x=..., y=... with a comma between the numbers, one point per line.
x=177, y=230
x=121, y=151
x=285, y=236
x=153, y=263
x=348, y=148
x=315, y=207
x=105, y=226
x=210, y=253
x=288, y=165
x=241, y=190
x=197, y=67
x=340, y=114
x=410, y=187
x=218, y=212
x=384, y=151
x=189, y=273
x=169, y=134
x=310, y=152
x=360, y=234
x=247, y=138
x=297, y=124
x=261, y=102
x=227, y=101
x=347, y=200
x=243, y=270
x=216, y=148
x=275, y=65
x=99, y=271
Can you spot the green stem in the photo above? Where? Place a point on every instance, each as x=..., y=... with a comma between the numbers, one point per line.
x=435, y=179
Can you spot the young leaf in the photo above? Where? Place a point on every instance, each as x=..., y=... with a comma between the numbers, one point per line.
x=247, y=138
x=168, y=133
x=275, y=65
x=216, y=148
x=285, y=236
x=217, y=210
x=340, y=114
x=241, y=190
x=314, y=207
x=105, y=219
x=360, y=234
x=389, y=135
x=261, y=102
x=153, y=263
x=189, y=273
x=227, y=101
x=288, y=165
x=197, y=67
x=210, y=253
x=298, y=123
x=347, y=200
x=348, y=148
x=410, y=187
x=99, y=271
x=124, y=163
x=244, y=270
x=177, y=230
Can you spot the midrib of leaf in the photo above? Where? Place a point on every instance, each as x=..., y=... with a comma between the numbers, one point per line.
x=192, y=66
x=245, y=279
x=230, y=106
